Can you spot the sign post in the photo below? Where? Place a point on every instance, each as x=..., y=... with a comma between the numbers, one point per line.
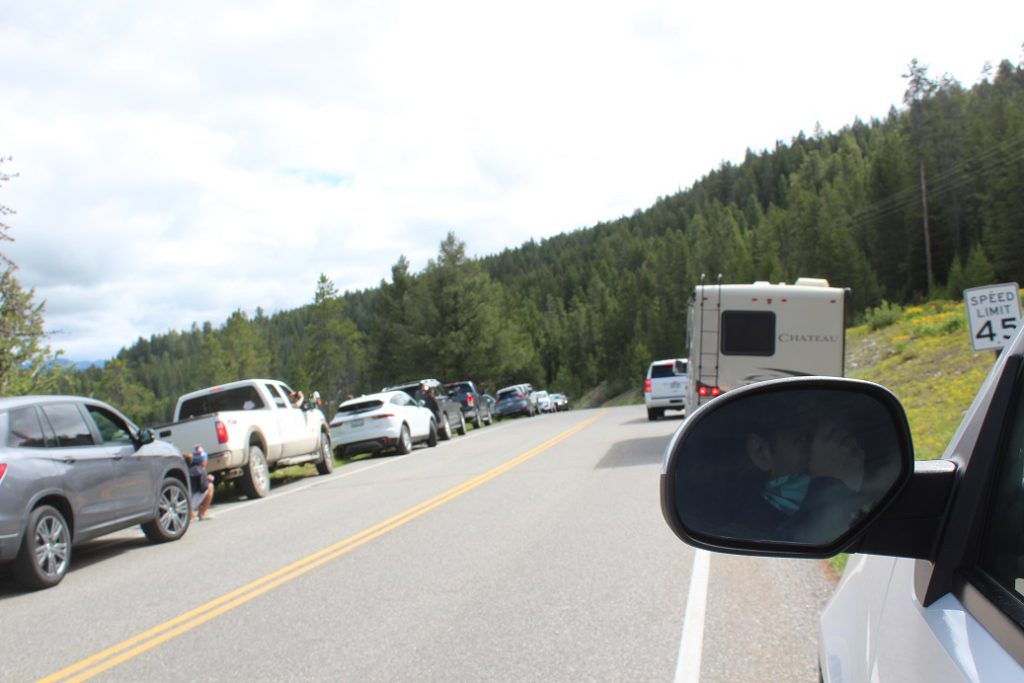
x=993, y=315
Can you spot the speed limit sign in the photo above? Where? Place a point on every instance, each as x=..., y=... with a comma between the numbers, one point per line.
x=993, y=314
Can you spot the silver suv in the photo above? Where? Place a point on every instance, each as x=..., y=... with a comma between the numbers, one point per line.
x=72, y=469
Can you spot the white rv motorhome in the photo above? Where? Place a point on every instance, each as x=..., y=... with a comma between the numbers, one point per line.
x=741, y=334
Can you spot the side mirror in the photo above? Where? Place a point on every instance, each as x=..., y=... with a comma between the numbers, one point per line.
x=144, y=437
x=792, y=467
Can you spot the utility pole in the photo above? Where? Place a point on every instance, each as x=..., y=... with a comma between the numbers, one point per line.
x=927, y=233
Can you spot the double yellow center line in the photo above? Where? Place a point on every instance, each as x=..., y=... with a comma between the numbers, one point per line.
x=133, y=647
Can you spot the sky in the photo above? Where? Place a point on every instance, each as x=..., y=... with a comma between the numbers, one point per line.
x=180, y=161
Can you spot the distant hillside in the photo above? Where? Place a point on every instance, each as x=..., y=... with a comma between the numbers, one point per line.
x=923, y=355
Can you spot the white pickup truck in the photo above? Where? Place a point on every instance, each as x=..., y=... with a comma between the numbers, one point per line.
x=249, y=428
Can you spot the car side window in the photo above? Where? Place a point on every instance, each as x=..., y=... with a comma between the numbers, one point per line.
x=401, y=400
x=24, y=429
x=275, y=394
x=1002, y=552
x=112, y=429
x=68, y=424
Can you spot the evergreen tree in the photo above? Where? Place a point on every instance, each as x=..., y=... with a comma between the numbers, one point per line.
x=334, y=360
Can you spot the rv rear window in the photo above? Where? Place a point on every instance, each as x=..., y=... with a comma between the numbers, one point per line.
x=748, y=333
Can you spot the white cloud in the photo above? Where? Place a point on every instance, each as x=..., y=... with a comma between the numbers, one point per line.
x=180, y=162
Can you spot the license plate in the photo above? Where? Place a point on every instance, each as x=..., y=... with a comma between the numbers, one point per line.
x=356, y=423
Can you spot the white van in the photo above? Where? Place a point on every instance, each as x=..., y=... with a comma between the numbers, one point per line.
x=741, y=334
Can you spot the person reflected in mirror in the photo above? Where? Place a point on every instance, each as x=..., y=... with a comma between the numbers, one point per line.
x=812, y=478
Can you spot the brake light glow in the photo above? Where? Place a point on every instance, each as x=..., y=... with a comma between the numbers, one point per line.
x=222, y=432
x=647, y=386
x=3, y=470
x=469, y=399
x=703, y=390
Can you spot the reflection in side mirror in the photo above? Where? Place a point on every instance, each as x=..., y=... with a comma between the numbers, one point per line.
x=795, y=466
x=145, y=436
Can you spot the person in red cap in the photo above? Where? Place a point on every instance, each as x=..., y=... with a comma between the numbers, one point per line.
x=202, y=483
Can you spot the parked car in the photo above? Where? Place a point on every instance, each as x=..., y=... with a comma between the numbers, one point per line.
x=72, y=469
x=380, y=422
x=447, y=411
x=492, y=405
x=474, y=408
x=513, y=401
x=561, y=402
x=249, y=428
x=666, y=386
x=936, y=589
x=544, y=404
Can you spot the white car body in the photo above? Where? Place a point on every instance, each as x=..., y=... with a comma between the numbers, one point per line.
x=544, y=403
x=875, y=629
x=376, y=422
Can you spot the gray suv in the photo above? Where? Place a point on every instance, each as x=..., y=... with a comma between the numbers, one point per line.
x=72, y=469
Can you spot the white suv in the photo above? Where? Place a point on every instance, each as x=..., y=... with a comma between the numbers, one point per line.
x=666, y=386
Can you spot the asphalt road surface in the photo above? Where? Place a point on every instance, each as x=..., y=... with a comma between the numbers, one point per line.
x=530, y=550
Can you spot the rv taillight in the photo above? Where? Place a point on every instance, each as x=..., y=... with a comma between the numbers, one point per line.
x=647, y=386
x=222, y=432
x=703, y=390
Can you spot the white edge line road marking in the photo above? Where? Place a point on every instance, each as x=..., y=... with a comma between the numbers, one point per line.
x=692, y=643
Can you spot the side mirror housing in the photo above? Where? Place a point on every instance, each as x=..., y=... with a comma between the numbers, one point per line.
x=144, y=437
x=796, y=467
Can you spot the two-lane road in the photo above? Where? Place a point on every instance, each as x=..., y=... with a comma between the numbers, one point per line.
x=531, y=550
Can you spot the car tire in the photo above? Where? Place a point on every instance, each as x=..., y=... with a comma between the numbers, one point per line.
x=489, y=420
x=404, y=445
x=461, y=429
x=45, y=552
x=432, y=435
x=478, y=421
x=256, y=476
x=326, y=464
x=446, y=428
x=654, y=413
x=172, y=513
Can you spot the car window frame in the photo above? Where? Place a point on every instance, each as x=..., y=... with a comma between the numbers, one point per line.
x=999, y=610
x=976, y=449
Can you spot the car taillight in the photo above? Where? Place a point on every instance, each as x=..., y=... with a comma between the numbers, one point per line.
x=385, y=416
x=647, y=385
x=3, y=470
x=222, y=432
x=469, y=399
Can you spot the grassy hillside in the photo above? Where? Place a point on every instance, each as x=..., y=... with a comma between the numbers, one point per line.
x=923, y=355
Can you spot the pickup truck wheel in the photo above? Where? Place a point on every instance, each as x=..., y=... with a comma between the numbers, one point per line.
x=654, y=413
x=326, y=464
x=461, y=429
x=432, y=434
x=256, y=477
x=446, y=428
x=404, y=446
x=45, y=551
x=172, y=513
